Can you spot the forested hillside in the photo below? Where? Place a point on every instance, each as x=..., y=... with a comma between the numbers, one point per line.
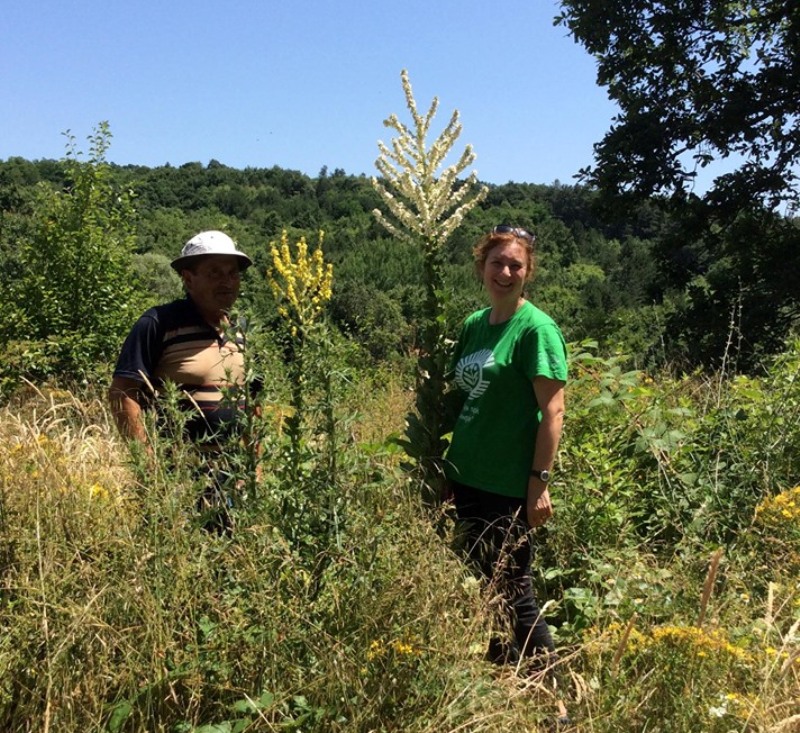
x=626, y=283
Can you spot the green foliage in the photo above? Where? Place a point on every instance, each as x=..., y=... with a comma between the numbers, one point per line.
x=681, y=464
x=696, y=280
x=154, y=273
x=699, y=83
x=710, y=669
x=372, y=317
x=305, y=490
x=306, y=618
x=695, y=84
x=334, y=606
x=739, y=301
x=72, y=294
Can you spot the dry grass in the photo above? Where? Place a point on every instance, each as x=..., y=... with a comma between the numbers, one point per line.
x=119, y=612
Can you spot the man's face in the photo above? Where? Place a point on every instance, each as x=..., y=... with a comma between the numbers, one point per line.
x=214, y=283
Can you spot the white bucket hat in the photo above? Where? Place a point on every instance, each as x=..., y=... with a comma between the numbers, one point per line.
x=210, y=243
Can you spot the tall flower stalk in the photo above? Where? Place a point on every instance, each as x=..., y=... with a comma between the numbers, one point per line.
x=425, y=201
x=301, y=285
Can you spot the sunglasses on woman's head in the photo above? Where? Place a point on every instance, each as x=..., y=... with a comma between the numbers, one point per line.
x=516, y=231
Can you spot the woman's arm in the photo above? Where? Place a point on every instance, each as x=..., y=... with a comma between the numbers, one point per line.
x=550, y=397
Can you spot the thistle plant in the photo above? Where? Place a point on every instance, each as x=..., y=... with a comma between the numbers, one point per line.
x=425, y=202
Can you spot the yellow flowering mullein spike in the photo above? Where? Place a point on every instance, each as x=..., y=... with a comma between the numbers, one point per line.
x=301, y=285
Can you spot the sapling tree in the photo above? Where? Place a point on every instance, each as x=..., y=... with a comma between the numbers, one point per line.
x=425, y=201
x=75, y=294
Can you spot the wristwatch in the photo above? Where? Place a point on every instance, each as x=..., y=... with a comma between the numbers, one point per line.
x=543, y=475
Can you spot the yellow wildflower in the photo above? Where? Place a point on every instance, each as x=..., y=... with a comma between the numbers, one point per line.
x=96, y=491
x=301, y=285
x=782, y=506
x=375, y=650
x=403, y=648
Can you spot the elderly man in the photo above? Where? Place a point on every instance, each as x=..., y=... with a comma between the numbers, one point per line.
x=191, y=343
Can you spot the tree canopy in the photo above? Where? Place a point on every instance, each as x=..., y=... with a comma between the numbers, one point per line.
x=697, y=81
x=705, y=84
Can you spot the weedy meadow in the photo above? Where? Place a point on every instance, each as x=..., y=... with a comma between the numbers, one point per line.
x=670, y=570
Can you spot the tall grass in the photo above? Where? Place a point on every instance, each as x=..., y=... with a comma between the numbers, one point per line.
x=119, y=613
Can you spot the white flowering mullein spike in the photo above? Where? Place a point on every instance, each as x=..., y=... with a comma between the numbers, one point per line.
x=425, y=202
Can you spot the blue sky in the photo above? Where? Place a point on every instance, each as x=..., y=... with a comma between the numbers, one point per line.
x=297, y=83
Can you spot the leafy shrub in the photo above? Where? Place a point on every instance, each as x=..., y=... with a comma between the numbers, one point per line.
x=373, y=318
x=684, y=461
x=74, y=290
x=154, y=272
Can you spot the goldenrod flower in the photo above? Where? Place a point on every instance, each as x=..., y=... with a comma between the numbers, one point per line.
x=703, y=641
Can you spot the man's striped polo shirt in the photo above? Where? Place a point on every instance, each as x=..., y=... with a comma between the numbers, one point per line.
x=174, y=343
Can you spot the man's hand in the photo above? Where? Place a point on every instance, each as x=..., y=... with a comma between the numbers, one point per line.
x=123, y=396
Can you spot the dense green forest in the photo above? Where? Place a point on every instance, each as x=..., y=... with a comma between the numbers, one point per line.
x=635, y=284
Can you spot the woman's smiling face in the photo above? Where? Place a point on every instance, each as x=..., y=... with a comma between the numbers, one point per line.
x=505, y=272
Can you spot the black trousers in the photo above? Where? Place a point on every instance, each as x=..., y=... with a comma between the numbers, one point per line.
x=497, y=537
x=216, y=495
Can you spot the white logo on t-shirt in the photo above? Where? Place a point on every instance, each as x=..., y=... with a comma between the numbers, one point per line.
x=469, y=372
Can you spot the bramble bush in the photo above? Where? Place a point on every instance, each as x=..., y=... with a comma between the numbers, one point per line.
x=684, y=461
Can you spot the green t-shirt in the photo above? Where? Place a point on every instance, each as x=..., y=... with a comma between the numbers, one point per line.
x=494, y=437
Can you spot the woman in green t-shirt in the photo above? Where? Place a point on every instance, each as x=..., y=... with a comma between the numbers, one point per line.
x=511, y=364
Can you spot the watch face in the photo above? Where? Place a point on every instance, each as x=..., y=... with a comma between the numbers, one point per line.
x=544, y=475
